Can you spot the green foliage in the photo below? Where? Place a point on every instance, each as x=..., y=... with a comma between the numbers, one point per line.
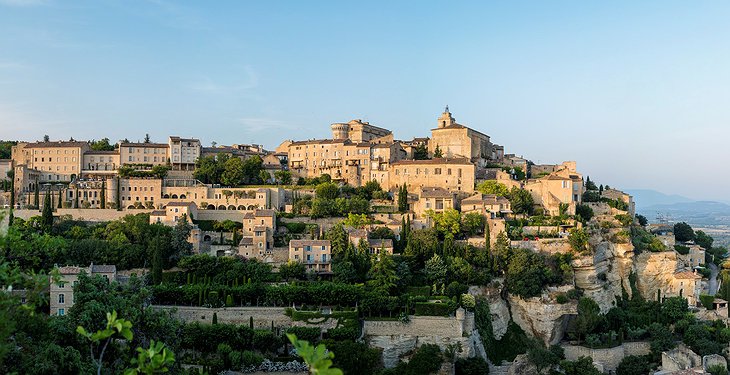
x=704, y=240
x=403, y=198
x=493, y=187
x=634, y=365
x=584, y=212
x=578, y=240
x=521, y=201
x=318, y=358
x=354, y=357
x=589, y=317
x=426, y=360
x=642, y=220
x=625, y=219
x=436, y=269
x=471, y=366
x=718, y=369
x=383, y=273
x=683, y=232
x=420, y=152
x=435, y=308
x=581, y=366
x=153, y=360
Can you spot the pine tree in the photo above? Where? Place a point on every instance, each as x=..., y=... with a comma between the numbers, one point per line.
x=437, y=153
x=338, y=239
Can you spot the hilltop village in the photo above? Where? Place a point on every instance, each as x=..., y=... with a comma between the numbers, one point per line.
x=440, y=254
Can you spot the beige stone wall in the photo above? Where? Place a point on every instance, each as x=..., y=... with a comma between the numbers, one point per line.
x=143, y=153
x=608, y=358
x=451, y=175
x=142, y=190
x=548, y=245
x=418, y=326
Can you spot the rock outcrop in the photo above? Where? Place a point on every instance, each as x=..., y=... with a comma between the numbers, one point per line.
x=654, y=272
x=540, y=318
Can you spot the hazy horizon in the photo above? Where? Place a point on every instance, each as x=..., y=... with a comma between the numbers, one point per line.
x=635, y=93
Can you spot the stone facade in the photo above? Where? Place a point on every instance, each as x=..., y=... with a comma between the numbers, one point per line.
x=61, y=292
x=316, y=255
x=450, y=174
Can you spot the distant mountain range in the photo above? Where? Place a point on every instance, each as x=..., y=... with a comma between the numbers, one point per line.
x=651, y=203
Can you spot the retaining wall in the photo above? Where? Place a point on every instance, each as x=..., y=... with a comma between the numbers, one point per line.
x=608, y=358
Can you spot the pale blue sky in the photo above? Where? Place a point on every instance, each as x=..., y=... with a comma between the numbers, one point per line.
x=638, y=94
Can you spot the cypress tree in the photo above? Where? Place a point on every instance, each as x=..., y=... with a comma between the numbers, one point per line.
x=36, y=196
x=60, y=198
x=119, y=202
x=102, y=196
x=250, y=322
x=47, y=215
x=215, y=318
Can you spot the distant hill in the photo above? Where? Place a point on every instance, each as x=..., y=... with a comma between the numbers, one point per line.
x=647, y=198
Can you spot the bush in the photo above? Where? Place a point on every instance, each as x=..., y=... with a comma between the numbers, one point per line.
x=419, y=290
x=310, y=334
x=434, y=309
x=354, y=357
x=561, y=298
x=707, y=301
x=681, y=249
x=471, y=366
x=634, y=365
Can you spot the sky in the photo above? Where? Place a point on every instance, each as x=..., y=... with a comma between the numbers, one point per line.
x=636, y=92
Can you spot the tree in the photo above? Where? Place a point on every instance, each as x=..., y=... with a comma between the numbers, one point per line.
x=382, y=274
x=436, y=269
x=338, y=239
x=327, y=190
x=704, y=240
x=590, y=185
x=521, y=201
x=47, y=214
x=420, y=152
x=179, y=239
x=683, y=232
x=233, y=173
x=147, y=138
x=252, y=168
x=60, y=198
x=448, y=222
x=502, y=252
x=102, y=194
x=102, y=145
x=283, y=177
x=526, y=273
x=589, y=317
x=36, y=195
x=153, y=360
x=673, y=309
x=493, y=187
x=155, y=248
x=642, y=220
x=160, y=171
x=292, y=270
x=581, y=366
x=318, y=358
x=585, y=212
x=114, y=327
x=46, y=138
x=473, y=223
x=403, y=199
x=437, y=153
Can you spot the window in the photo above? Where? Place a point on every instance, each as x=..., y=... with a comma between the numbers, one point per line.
x=61, y=298
x=437, y=171
x=61, y=312
x=61, y=285
x=448, y=171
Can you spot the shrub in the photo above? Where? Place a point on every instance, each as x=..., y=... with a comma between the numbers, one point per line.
x=310, y=334
x=561, y=298
x=471, y=366
x=434, y=309
x=681, y=249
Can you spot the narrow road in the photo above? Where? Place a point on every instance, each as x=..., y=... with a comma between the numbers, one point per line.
x=714, y=285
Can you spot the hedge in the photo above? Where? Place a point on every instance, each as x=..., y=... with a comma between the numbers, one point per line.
x=419, y=290
x=319, y=293
x=310, y=334
x=434, y=309
x=236, y=336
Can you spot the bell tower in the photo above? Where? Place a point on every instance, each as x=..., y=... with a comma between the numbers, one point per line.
x=446, y=119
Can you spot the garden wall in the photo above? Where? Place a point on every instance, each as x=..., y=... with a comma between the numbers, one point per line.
x=84, y=214
x=547, y=245
x=608, y=358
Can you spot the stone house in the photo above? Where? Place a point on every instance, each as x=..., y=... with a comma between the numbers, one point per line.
x=433, y=198
x=564, y=186
x=486, y=204
x=62, y=293
x=258, y=234
x=458, y=141
x=450, y=174
x=316, y=255
x=686, y=284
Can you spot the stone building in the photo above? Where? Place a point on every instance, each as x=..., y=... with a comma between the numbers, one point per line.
x=62, y=293
x=139, y=192
x=489, y=205
x=316, y=255
x=258, y=234
x=450, y=174
x=687, y=284
x=434, y=199
x=358, y=131
x=458, y=141
x=183, y=152
x=56, y=161
x=142, y=156
x=562, y=187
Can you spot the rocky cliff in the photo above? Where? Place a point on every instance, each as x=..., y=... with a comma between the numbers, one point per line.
x=542, y=318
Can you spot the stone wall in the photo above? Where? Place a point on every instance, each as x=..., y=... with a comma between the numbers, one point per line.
x=221, y=215
x=262, y=316
x=85, y=214
x=547, y=245
x=396, y=338
x=609, y=358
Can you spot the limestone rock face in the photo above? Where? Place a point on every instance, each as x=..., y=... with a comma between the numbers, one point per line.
x=393, y=347
x=654, y=272
x=522, y=366
x=602, y=275
x=500, y=316
x=542, y=319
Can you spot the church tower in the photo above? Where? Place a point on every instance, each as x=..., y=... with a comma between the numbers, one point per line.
x=446, y=119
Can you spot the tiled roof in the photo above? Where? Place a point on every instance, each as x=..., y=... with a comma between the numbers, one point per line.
x=684, y=275
x=102, y=152
x=158, y=213
x=259, y=228
x=381, y=242
x=246, y=241
x=103, y=268
x=300, y=243
x=320, y=141
x=435, y=192
x=57, y=144
x=265, y=213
